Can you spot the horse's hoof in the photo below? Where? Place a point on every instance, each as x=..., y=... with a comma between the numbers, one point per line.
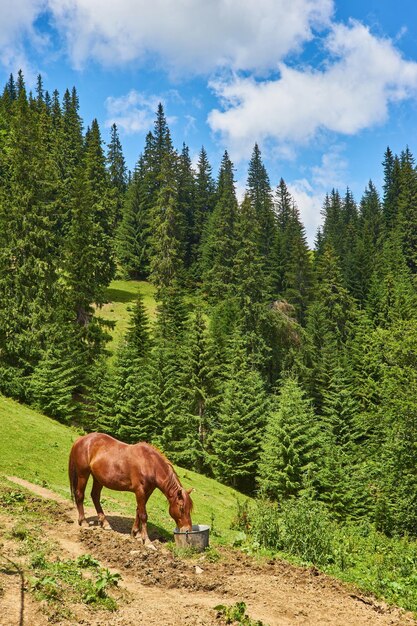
x=106, y=526
x=150, y=546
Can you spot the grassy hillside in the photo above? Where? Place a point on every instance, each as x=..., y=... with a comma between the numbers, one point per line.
x=36, y=448
x=121, y=295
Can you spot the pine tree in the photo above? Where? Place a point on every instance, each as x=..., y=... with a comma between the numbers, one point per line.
x=368, y=242
x=330, y=319
x=186, y=206
x=292, y=452
x=167, y=408
x=27, y=264
x=199, y=373
x=117, y=170
x=167, y=261
x=219, y=247
x=203, y=208
x=292, y=258
x=59, y=378
x=133, y=233
x=102, y=207
x=259, y=191
x=250, y=288
x=132, y=381
x=407, y=209
x=392, y=171
x=392, y=295
x=241, y=420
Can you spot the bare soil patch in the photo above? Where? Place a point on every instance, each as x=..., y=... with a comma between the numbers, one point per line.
x=161, y=589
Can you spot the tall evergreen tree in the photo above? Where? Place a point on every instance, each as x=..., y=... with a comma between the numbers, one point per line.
x=241, y=421
x=219, y=247
x=292, y=257
x=259, y=191
x=293, y=447
x=116, y=167
x=392, y=170
x=203, y=207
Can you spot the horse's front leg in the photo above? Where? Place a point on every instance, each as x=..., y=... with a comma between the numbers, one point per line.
x=140, y=524
x=95, y=496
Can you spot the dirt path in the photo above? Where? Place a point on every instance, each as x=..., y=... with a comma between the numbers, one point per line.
x=162, y=590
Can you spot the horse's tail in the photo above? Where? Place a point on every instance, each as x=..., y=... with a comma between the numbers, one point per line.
x=72, y=474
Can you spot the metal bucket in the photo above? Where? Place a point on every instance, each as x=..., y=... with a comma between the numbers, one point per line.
x=197, y=538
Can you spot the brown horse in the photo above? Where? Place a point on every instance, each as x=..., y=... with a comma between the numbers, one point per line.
x=139, y=468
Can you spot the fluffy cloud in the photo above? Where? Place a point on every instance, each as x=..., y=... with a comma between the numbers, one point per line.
x=353, y=91
x=309, y=192
x=17, y=25
x=132, y=112
x=191, y=35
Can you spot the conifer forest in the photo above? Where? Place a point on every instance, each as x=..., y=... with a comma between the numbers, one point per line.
x=277, y=369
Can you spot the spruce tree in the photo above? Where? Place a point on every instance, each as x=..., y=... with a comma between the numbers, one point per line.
x=199, y=381
x=203, y=207
x=369, y=240
x=292, y=451
x=220, y=244
x=259, y=191
x=407, y=209
x=392, y=171
x=186, y=206
x=167, y=260
x=117, y=170
x=241, y=420
x=132, y=381
x=293, y=270
x=132, y=243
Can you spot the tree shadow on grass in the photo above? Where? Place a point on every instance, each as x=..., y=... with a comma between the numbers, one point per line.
x=123, y=525
x=119, y=295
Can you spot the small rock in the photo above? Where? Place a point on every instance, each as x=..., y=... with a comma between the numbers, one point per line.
x=198, y=570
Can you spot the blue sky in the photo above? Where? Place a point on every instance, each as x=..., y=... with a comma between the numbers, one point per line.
x=323, y=86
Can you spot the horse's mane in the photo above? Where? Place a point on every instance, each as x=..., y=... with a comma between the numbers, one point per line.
x=173, y=481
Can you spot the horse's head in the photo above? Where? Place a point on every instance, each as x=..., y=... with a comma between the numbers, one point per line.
x=180, y=508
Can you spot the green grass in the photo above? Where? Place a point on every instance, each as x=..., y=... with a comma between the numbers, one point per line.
x=36, y=448
x=121, y=295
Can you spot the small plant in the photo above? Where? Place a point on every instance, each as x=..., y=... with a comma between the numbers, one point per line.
x=242, y=519
x=236, y=614
x=38, y=562
x=12, y=497
x=98, y=591
x=211, y=555
x=19, y=531
x=46, y=588
x=86, y=560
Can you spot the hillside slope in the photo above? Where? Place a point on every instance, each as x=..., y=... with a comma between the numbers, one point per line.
x=36, y=448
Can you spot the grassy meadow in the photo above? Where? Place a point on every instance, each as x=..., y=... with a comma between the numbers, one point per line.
x=36, y=448
x=120, y=296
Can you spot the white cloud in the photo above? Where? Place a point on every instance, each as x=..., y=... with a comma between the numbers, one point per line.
x=309, y=193
x=192, y=35
x=309, y=202
x=133, y=112
x=17, y=26
x=331, y=173
x=353, y=91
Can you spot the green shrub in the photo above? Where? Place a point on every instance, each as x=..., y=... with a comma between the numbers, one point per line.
x=300, y=526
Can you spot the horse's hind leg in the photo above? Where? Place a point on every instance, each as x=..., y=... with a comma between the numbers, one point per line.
x=79, y=498
x=95, y=496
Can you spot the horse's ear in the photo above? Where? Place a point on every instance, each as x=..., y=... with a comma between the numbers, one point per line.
x=190, y=491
